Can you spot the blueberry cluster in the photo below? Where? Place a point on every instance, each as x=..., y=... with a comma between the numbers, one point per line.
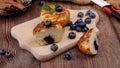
x=5, y=53
x=79, y=26
x=91, y=14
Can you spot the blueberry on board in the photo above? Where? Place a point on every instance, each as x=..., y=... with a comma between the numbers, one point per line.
x=92, y=15
x=8, y=55
x=80, y=14
x=68, y=55
x=88, y=12
x=85, y=29
x=95, y=45
x=78, y=29
x=2, y=51
x=69, y=23
x=79, y=21
x=73, y=26
x=81, y=24
x=88, y=20
x=41, y=2
x=59, y=9
x=54, y=47
x=47, y=23
x=72, y=35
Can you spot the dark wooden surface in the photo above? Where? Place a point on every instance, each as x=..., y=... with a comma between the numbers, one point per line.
x=109, y=43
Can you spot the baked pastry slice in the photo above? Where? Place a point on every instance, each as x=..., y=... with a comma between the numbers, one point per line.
x=61, y=17
x=87, y=43
x=48, y=35
x=10, y=4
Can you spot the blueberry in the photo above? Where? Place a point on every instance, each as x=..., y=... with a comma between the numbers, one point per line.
x=57, y=5
x=59, y=9
x=72, y=27
x=41, y=2
x=80, y=14
x=92, y=15
x=95, y=45
x=79, y=21
x=81, y=24
x=2, y=51
x=69, y=23
x=72, y=35
x=78, y=29
x=47, y=23
x=54, y=47
x=88, y=20
x=68, y=55
x=85, y=29
x=88, y=12
x=8, y=55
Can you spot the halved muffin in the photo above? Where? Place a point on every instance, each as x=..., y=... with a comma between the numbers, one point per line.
x=87, y=43
x=48, y=35
x=62, y=17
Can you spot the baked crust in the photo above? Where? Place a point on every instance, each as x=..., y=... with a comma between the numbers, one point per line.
x=87, y=43
x=40, y=27
x=59, y=17
x=84, y=42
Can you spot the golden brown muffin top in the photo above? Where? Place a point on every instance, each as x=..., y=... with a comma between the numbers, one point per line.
x=41, y=26
x=60, y=17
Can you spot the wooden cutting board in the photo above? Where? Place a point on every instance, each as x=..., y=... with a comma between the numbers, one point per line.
x=24, y=34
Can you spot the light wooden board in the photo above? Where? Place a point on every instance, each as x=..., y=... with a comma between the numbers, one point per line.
x=23, y=33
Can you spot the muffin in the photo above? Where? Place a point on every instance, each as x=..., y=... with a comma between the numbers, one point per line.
x=87, y=43
x=60, y=14
x=48, y=32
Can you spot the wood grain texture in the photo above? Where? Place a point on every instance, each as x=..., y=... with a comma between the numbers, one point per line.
x=108, y=53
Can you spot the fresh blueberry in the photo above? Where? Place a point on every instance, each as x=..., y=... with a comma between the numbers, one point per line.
x=73, y=26
x=69, y=23
x=68, y=55
x=59, y=9
x=88, y=20
x=41, y=2
x=95, y=45
x=85, y=29
x=81, y=24
x=88, y=12
x=79, y=21
x=54, y=47
x=80, y=14
x=92, y=15
x=47, y=23
x=57, y=5
x=72, y=35
x=8, y=55
x=78, y=29
x=2, y=51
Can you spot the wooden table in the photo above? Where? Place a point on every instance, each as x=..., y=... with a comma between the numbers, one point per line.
x=109, y=43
